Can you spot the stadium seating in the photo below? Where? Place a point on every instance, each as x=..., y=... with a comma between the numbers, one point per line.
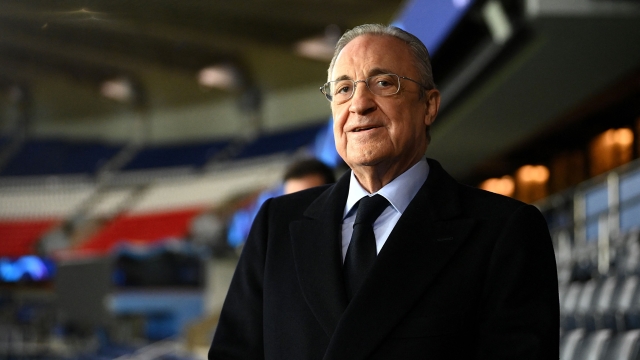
x=599, y=282
x=19, y=237
x=28, y=212
x=282, y=142
x=600, y=345
x=182, y=155
x=57, y=156
x=141, y=229
x=600, y=316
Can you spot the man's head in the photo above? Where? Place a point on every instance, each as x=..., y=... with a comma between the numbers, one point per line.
x=383, y=133
x=419, y=51
x=305, y=174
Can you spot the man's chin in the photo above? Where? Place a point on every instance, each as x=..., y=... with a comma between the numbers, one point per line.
x=365, y=163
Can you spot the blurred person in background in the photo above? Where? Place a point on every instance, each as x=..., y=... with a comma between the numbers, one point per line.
x=397, y=260
x=305, y=174
x=299, y=175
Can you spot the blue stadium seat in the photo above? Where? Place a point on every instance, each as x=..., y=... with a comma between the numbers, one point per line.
x=181, y=155
x=623, y=346
x=593, y=346
x=281, y=142
x=632, y=314
x=624, y=301
x=602, y=303
x=628, y=254
x=58, y=157
x=569, y=305
x=586, y=304
x=570, y=342
x=609, y=302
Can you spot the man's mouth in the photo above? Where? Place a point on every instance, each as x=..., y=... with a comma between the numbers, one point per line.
x=363, y=128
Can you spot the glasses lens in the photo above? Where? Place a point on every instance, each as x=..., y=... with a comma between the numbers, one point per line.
x=326, y=90
x=384, y=84
x=341, y=90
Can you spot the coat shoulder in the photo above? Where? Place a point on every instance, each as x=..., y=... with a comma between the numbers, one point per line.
x=486, y=204
x=473, y=202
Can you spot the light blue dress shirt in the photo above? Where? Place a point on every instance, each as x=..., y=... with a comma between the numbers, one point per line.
x=399, y=192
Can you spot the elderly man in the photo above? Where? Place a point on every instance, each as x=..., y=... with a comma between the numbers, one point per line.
x=396, y=260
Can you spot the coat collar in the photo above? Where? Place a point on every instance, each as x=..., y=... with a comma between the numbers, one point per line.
x=422, y=242
x=318, y=257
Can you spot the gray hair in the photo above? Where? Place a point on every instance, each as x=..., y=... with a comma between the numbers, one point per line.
x=419, y=51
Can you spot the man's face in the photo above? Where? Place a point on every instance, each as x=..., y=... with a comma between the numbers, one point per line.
x=386, y=132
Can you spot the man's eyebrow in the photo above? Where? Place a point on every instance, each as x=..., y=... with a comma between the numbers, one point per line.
x=343, y=77
x=378, y=71
x=372, y=72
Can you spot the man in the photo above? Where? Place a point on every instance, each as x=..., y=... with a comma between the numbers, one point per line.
x=306, y=173
x=460, y=273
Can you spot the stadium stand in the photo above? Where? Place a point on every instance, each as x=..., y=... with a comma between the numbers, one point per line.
x=596, y=233
x=19, y=237
x=281, y=142
x=140, y=229
x=58, y=156
x=144, y=205
x=180, y=155
x=595, y=226
x=28, y=212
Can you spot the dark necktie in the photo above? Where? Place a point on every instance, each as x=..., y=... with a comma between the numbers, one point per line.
x=361, y=253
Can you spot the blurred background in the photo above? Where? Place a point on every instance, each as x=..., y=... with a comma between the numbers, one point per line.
x=138, y=139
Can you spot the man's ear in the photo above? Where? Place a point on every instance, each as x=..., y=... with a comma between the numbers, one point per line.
x=432, y=104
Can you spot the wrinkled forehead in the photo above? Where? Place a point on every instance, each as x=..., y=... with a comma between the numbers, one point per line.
x=369, y=54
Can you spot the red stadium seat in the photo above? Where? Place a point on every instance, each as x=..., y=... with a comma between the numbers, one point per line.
x=19, y=237
x=143, y=228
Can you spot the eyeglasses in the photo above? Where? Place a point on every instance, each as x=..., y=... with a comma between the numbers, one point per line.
x=340, y=91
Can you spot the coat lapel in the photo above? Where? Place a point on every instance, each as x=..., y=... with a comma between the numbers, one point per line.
x=421, y=244
x=316, y=243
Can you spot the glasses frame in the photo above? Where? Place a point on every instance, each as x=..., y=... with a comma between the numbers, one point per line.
x=366, y=82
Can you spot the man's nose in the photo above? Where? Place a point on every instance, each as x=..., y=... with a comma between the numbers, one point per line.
x=362, y=101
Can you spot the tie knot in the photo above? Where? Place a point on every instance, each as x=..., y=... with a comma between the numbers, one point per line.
x=369, y=208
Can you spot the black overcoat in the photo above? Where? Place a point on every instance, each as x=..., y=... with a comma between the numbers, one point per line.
x=465, y=274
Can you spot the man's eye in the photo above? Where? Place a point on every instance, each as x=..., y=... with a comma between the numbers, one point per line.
x=383, y=82
x=343, y=89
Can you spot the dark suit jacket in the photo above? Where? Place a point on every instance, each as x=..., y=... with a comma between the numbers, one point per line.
x=465, y=274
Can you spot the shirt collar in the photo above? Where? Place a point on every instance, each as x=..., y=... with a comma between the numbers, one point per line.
x=399, y=192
